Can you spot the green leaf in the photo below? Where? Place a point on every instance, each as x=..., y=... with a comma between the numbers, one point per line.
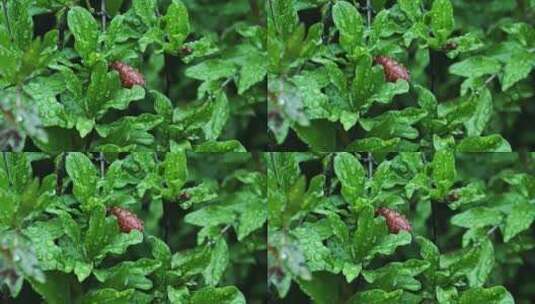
x=491, y=143
x=119, y=242
x=84, y=126
x=394, y=123
x=200, y=48
x=483, y=112
x=211, y=69
x=212, y=215
x=520, y=219
x=83, y=175
x=442, y=22
x=177, y=296
x=123, y=97
x=177, y=25
x=109, y=296
x=201, y=193
x=220, y=115
x=493, y=295
x=471, y=193
x=55, y=289
x=446, y=295
x=477, y=217
x=397, y=275
x=517, y=68
x=253, y=70
x=429, y=252
x=369, y=231
x=128, y=274
x=349, y=23
x=476, y=66
x=146, y=10
x=283, y=170
x=351, y=271
x=284, y=16
x=9, y=203
x=351, y=174
x=219, y=261
x=222, y=295
x=388, y=90
x=85, y=30
x=43, y=236
x=102, y=86
x=175, y=171
x=323, y=288
x=21, y=23
x=390, y=243
x=18, y=171
x=411, y=8
x=374, y=144
x=376, y=296
x=220, y=146
x=99, y=232
x=474, y=263
x=320, y=135
x=253, y=214
x=444, y=172
x=366, y=81
x=130, y=130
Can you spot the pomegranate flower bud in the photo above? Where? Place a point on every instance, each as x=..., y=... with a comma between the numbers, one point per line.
x=129, y=76
x=394, y=220
x=127, y=220
x=393, y=69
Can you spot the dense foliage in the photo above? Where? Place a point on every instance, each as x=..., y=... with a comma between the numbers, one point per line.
x=201, y=82
x=458, y=75
x=132, y=228
x=470, y=240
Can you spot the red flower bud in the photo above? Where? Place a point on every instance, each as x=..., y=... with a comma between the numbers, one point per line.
x=393, y=69
x=129, y=76
x=394, y=220
x=127, y=220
